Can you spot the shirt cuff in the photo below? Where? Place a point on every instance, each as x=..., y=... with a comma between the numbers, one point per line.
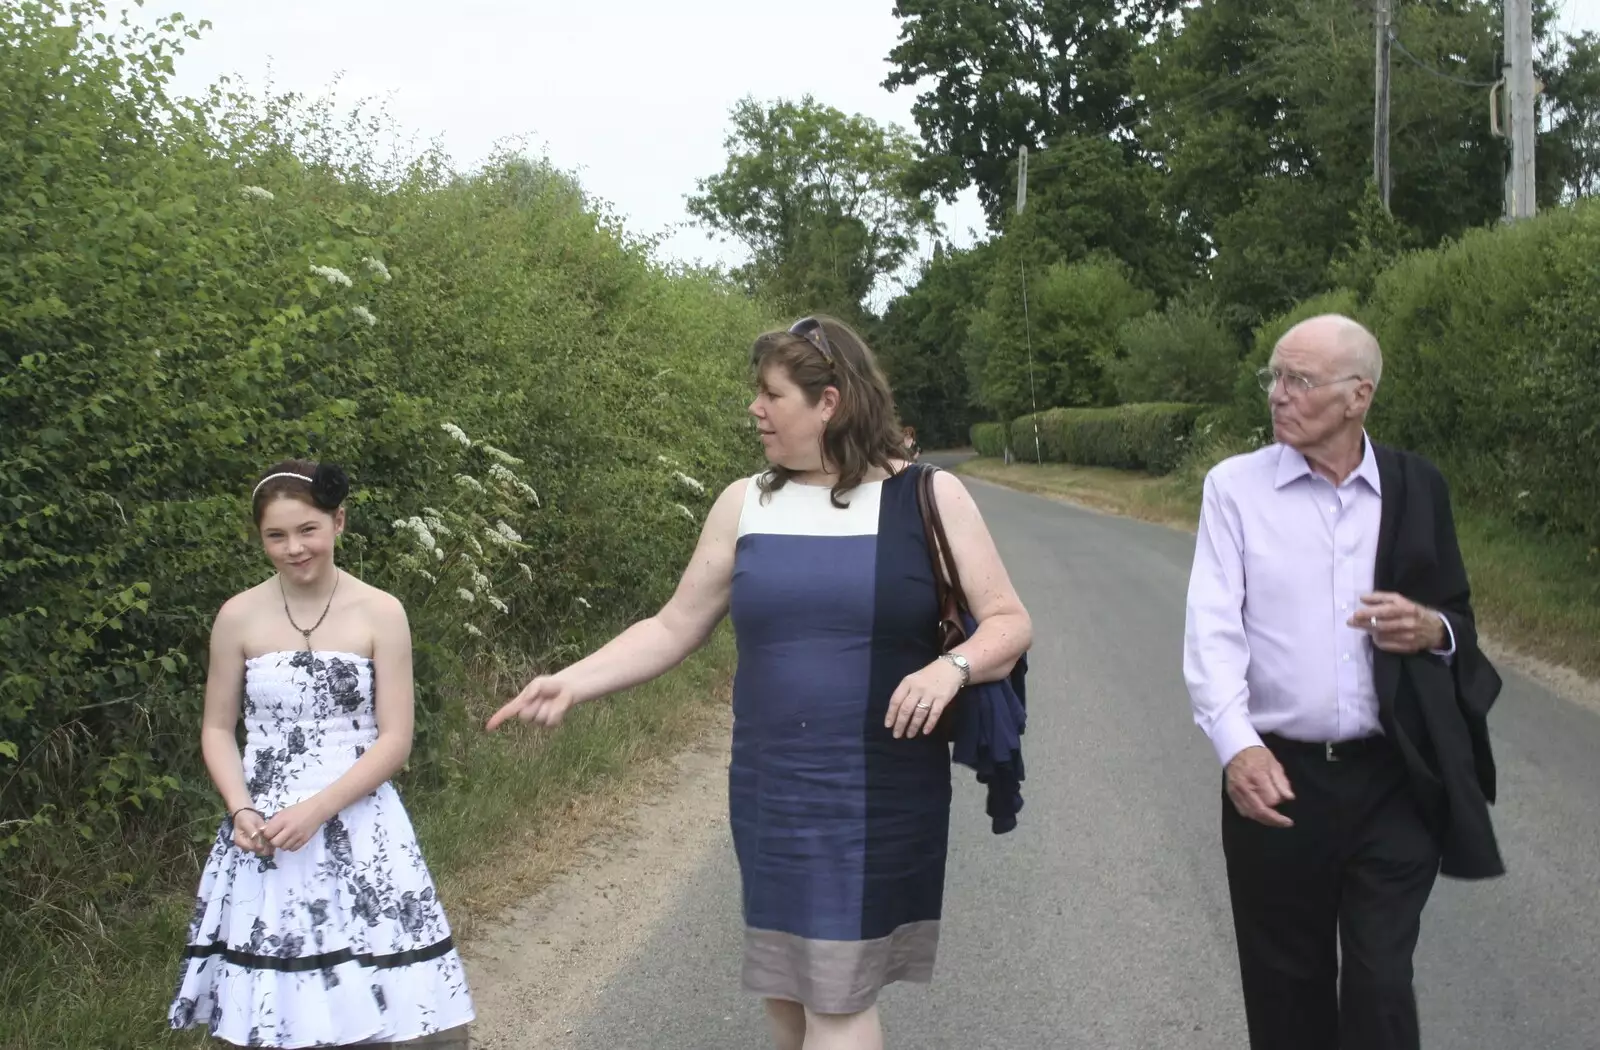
x=1450, y=635
x=1232, y=735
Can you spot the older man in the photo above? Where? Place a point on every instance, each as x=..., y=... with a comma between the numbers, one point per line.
x=1332, y=660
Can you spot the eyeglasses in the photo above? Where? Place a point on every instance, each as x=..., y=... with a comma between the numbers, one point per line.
x=810, y=329
x=1293, y=382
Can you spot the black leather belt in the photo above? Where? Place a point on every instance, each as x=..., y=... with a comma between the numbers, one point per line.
x=1331, y=750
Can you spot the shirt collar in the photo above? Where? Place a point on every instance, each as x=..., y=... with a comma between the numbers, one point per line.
x=1292, y=466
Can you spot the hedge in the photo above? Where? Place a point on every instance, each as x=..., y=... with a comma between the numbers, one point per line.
x=1151, y=438
x=1491, y=350
x=535, y=415
x=1492, y=366
x=989, y=439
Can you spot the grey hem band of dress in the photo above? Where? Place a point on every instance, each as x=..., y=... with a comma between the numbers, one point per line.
x=837, y=977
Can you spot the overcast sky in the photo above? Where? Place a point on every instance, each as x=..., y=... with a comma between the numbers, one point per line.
x=633, y=95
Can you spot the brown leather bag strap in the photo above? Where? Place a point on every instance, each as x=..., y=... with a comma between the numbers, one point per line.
x=938, y=542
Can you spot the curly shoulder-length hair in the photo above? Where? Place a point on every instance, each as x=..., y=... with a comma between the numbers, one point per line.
x=819, y=352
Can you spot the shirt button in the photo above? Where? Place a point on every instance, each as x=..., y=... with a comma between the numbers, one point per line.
x=1333, y=510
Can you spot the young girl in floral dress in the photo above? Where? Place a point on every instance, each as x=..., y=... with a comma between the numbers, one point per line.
x=317, y=922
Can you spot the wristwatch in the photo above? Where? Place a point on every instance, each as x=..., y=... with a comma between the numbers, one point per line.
x=961, y=665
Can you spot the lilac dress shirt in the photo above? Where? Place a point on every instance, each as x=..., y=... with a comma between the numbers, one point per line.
x=1282, y=559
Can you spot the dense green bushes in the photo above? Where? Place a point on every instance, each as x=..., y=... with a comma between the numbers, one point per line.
x=1182, y=353
x=1491, y=368
x=527, y=404
x=1152, y=438
x=1491, y=352
x=1071, y=323
x=989, y=439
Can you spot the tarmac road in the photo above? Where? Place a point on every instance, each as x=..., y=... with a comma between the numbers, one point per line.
x=1102, y=921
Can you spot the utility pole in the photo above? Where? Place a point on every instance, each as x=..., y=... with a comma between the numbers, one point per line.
x=1380, y=101
x=1027, y=322
x=1520, y=194
x=1022, y=179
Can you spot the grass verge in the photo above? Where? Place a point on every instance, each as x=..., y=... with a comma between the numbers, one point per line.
x=1536, y=595
x=519, y=811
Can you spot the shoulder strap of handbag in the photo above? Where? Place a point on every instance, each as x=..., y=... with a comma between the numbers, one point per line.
x=948, y=581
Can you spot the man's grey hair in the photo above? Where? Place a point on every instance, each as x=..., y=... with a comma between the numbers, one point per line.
x=1364, y=351
x=1359, y=345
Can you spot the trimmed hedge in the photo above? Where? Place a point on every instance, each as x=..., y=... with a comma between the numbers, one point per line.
x=1152, y=438
x=989, y=439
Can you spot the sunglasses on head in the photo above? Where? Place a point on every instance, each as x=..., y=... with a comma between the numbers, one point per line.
x=810, y=329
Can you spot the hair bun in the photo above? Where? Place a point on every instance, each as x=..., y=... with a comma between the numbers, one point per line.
x=329, y=486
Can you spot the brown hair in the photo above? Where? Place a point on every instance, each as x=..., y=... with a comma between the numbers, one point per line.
x=864, y=432
x=322, y=488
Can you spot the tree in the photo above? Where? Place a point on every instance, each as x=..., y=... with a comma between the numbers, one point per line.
x=1091, y=198
x=922, y=338
x=819, y=198
x=1182, y=353
x=1071, y=320
x=1569, y=151
x=1012, y=73
x=1261, y=116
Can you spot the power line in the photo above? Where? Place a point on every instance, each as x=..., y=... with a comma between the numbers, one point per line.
x=1420, y=64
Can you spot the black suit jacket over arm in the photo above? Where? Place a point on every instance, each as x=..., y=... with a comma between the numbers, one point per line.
x=1436, y=711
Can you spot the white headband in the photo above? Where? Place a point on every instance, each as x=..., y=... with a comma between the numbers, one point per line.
x=269, y=477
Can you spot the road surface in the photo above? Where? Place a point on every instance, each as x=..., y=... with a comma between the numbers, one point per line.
x=1102, y=921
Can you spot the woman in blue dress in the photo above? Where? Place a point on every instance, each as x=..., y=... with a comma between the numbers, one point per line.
x=838, y=789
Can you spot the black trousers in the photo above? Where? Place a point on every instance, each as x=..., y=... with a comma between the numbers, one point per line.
x=1327, y=913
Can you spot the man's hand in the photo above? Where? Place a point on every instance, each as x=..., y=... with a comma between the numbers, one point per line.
x=1399, y=625
x=1257, y=784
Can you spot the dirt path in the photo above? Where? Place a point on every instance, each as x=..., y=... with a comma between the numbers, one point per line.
x=534, y=973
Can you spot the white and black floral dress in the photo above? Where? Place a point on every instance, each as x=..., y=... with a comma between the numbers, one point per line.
x=343, y=941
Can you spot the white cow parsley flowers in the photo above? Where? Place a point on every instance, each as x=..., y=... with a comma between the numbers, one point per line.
x=333, y=275
x=501, y=455
x=419, y=531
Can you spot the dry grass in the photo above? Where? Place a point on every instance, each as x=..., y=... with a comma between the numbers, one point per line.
x=524, y=806
x=1535, y=595
x=1123, y=492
